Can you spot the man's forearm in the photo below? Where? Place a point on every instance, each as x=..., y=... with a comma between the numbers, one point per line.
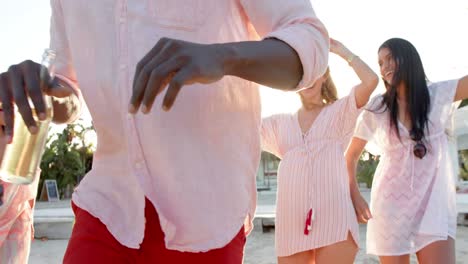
x=66, y=109
x=269, y=62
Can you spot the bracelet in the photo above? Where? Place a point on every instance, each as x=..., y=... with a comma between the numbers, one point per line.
x=351, y=58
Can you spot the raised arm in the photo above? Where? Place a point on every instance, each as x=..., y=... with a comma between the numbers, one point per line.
x=462, y=89
x=369, y=78
x=292, y=54
x=352, y=154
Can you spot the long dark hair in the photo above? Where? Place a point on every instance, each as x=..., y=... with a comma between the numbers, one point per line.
x=408, y=70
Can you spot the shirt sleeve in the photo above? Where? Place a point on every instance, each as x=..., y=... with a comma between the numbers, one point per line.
x=269, y=135
x=444, y=92
x=366, y=124
x=442, y=96
x=295, y=23
x=64, y=69
x=348, y=112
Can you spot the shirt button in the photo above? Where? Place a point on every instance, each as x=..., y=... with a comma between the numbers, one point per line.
x=139, y=165
x=123, y=66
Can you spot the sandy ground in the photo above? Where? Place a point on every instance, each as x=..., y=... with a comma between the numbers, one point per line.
x=260, y=248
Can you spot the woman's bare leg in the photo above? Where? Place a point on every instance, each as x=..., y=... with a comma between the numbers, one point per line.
x=438, y=252
x=403, y=259
x=305, y=257
x=342, y=252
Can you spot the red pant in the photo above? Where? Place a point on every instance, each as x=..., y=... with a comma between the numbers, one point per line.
x=91, y=243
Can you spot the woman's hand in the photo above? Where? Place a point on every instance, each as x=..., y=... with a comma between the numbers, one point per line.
x=361, y=208
x=338, y=48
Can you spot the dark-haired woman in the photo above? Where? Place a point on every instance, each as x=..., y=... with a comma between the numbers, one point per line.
x=413, y=194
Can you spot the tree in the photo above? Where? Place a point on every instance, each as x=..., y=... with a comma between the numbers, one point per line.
x=367, y=165
x=67, y=157
x=464, y=164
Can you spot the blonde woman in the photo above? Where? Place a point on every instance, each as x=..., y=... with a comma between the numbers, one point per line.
x=315, y=216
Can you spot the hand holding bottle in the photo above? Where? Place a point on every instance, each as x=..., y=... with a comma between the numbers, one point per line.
x=26, y=85
x=25, y=82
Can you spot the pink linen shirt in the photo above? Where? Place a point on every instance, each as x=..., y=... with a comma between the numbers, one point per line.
x=196, y=163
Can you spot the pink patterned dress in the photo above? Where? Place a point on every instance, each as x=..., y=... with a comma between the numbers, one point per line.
x=16, y=221
x=312, y=175
x=412, y=200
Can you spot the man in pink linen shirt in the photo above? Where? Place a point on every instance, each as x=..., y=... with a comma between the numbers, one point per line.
x=182, y=181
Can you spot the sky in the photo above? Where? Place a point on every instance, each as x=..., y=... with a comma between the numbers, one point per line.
x=438, y=29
